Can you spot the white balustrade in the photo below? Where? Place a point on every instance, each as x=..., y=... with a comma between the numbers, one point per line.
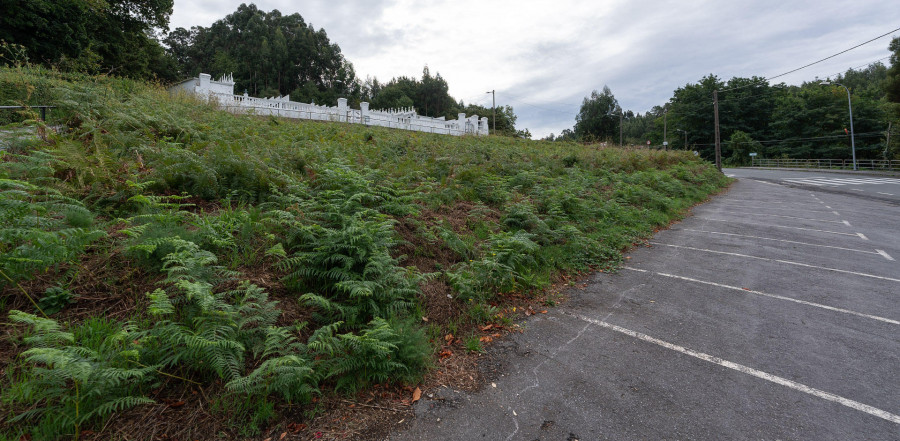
x=222, y=92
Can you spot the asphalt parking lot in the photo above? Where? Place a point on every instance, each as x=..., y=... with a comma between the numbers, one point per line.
x=770, y=313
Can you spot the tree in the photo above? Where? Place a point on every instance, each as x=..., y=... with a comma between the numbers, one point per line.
x=112, y=36
x=269, y=54
x=598, y=118
x=740, y=145
x=892, y=82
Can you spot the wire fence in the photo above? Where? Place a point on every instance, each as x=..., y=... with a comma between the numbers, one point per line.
x=842, y=164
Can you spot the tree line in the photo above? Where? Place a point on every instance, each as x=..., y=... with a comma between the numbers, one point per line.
x=269, y=53
x=773, y=120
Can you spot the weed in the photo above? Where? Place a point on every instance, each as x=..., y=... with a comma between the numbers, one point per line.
x=472, y=344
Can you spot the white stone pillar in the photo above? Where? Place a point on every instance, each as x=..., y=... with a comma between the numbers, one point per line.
x=204, y=83
x=364, y=112
x=342, y=109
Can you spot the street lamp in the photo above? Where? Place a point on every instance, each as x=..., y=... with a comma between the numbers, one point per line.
x=850, y=105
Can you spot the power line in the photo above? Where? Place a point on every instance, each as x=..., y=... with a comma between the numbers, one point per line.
x=818, y=61
x=816, y=138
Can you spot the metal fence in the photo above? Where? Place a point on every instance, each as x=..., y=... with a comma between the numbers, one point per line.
x=845, y=164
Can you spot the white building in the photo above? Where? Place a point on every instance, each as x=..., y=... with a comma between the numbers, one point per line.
x=222, y=91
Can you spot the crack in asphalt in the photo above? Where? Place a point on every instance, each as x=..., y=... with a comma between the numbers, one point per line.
x=537, y=381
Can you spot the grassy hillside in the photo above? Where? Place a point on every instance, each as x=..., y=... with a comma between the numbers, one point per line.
x=159, y=255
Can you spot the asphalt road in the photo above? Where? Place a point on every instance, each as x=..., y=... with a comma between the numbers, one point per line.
x=879, y=186
x=771, y=313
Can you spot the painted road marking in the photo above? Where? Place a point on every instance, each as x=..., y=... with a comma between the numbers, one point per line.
x=856, y=405
x=884, y=254
x=784, y=226
x=820, y=181
x=836, y=213
x=788, y=262
x=828, y=207
x=767, y=207
x=780, y=240
x=889, y=194
x=786, y=217
x=846, y=223
x=764, y=182
x=863, y=236
x=774, y=296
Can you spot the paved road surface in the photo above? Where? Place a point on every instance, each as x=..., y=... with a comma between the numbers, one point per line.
x=771, y=313
x=884, y=187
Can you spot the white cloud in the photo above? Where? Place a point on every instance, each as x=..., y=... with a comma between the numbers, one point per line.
x=543, y=57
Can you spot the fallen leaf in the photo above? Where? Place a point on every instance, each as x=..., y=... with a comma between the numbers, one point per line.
x=416, y=395
x=424, y=319
x=283, y=434
x=268, y=439
x=543, y=311
x=496, y=335
x=746, y=289
x=446, y=353
x=487, y=327
x=486, y=339
x=176, y=404
x=448, y=338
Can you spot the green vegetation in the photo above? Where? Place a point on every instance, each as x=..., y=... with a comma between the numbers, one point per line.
x=777, y=120
x=267, y=262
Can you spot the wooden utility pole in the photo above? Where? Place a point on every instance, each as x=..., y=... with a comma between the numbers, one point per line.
x=620, y=128
x=666, y=128
x=887, y=143
x=718, y=144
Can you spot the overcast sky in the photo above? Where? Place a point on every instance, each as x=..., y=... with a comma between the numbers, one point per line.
x=544, y=57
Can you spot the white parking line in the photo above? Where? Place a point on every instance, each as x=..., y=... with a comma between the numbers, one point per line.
x=889, y=194
x=874, y=411
x=863, y=236
x=846, y=223
x=884, y=254
x=789, y=262
x=836, y=213
x=780, y=240
x=766, y=207
x=784, y=226
x=774, y=296
x=786, y=217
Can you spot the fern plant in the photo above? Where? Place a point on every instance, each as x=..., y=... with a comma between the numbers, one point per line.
x=77, y=378
x=40, y=228
x=384, y=351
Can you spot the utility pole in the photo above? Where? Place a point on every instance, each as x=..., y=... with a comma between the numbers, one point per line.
x=666, y=127
x=493, y=108
x=718, y=144
x=621, y=117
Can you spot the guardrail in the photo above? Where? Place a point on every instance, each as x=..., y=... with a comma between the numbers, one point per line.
x=845, y=164
x=43, y=109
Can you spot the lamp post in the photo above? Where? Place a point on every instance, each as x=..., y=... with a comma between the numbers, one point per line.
x=850, y=105
x=493, y=107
